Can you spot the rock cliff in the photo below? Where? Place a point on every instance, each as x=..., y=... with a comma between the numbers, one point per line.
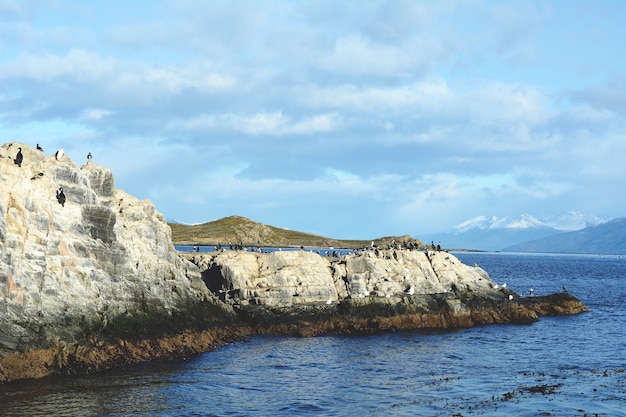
x=101, y=265
x=300, y=292
x=89, y=279
x=288, y=278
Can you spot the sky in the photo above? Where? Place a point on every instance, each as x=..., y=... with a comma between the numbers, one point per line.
x=347, y=119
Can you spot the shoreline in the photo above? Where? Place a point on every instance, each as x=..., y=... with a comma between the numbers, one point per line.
x=83, y=357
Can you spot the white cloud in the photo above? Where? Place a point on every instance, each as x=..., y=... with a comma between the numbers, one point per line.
x=95, y=114
x=149, y=79
x=78, y=65
x=359, y=56
x=498, y=102
x=433, y=113
x=263, y=123
x=428, y=95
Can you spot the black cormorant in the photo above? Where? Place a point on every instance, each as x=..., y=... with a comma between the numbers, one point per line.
x=19, y=157
x=61, y=196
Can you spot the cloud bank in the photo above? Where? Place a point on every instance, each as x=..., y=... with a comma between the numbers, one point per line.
x=350, y=119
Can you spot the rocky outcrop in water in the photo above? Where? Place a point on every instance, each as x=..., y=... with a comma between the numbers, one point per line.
x=89, y=279
x=288, y=278
x=300, y=292
x=100, y=266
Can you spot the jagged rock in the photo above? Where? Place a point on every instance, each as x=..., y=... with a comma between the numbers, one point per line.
x=277, y=279
x=95, y=282
x=102, y=265
x=290, y=278
x=298, y=292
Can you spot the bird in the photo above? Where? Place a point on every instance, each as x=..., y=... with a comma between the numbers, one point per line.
x=564, y=289
x=37, y=176
x=19, y=158
x=61, y=196
x=411, y=290
x=89, y=156
x=39, y=148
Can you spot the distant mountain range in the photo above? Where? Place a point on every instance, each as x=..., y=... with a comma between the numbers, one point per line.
x=497, y=233
x=606, y=238
x=521, y=234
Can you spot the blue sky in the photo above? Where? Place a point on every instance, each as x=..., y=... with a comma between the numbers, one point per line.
x=349, y=119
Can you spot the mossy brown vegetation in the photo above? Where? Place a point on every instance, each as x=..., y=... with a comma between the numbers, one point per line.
x=242, y=231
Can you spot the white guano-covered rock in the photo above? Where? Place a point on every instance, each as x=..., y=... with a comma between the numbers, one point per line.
x=291, y=278
x=102, y=256
x=275, y=279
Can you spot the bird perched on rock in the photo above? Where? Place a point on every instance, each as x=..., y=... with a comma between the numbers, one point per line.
x=39, y=148
x=37, y=176
x=19, y=158
x=61, y=196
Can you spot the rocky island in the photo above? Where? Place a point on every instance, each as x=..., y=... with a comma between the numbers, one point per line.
x=90, y=280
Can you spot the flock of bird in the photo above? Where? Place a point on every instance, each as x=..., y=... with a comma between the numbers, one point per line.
x=19, y=159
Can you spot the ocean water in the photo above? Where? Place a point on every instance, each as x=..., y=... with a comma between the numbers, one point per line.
x=559, y=366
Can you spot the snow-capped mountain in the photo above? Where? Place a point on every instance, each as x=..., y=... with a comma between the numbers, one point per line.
x=525, y=221
x=605, y=238
x=496, y=233
x=572, y=220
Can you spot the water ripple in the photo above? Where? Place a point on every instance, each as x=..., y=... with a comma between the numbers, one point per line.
x=558, y=366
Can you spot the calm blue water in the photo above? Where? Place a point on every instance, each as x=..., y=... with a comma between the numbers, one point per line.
x=561, y=366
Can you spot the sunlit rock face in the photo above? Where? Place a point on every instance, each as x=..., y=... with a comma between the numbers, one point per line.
x=277, y=279
x=392, y=272
x=293, y=278
x=100, y=263
x=89, y=280
x=303, y=293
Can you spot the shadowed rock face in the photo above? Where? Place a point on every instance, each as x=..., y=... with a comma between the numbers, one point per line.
x=102, y=265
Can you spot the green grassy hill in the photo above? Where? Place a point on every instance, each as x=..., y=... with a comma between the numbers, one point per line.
x=240, y=230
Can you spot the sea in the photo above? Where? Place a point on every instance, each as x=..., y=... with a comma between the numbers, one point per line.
x=558, y=366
